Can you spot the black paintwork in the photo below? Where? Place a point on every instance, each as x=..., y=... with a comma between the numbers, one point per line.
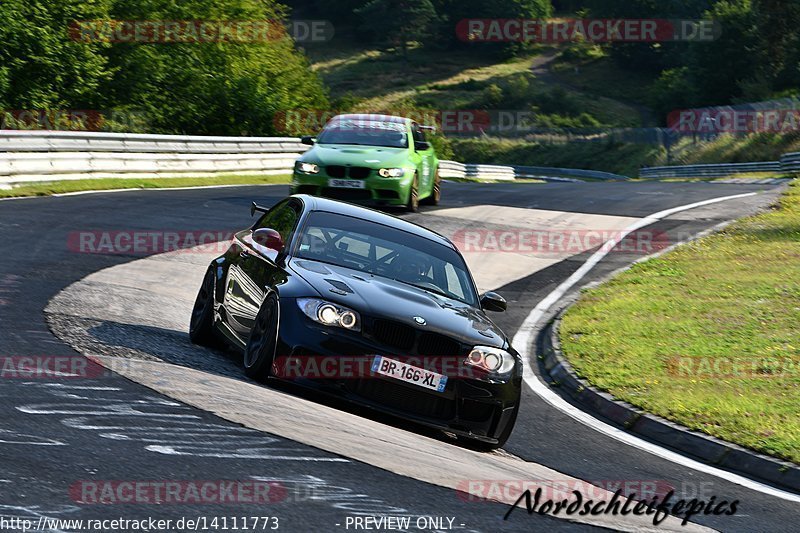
x=480, y=407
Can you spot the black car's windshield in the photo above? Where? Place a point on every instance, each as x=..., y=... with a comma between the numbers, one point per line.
x=387, y=252
x=365, y=132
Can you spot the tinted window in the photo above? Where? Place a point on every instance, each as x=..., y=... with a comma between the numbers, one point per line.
x=387, y=252
x=282, y=218
x=365, y=132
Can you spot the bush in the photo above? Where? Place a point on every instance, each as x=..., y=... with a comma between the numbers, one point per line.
x=208, y=88
x=492, y=96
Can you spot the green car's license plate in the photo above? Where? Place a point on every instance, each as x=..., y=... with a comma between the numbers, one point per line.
x=347, y=184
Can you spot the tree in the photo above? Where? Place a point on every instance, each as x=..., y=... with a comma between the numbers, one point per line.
x=40, y=67
x=400, y=21
x=457, y=10
x=211, y=88
x=649, y=56
x=716, y=68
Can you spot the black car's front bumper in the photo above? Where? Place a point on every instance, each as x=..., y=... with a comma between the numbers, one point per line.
x=474, y=405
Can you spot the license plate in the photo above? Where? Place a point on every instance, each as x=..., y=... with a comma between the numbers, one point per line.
x=408, y=373
x=347, y=184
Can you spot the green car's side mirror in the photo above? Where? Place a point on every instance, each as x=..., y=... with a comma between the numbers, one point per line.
x=421, y=146
x=308, y=139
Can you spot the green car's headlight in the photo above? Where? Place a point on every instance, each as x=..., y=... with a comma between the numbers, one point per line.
x=392, y=172
x=491, y=359
x=329, y=313
x=306, y=168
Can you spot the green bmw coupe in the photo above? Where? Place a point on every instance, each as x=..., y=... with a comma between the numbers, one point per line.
x=374, y=159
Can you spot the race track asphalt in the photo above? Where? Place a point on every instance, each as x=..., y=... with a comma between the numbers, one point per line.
x=58, y=433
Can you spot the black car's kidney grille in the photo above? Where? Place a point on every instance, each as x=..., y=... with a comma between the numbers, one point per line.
x=405, y=399
x=407, y=340
x=359, y=173
x=394, y=334
x=439, y=345
x=335, y=171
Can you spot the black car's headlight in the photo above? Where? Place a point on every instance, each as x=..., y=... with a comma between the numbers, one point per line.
x=392, y=172
x=491, y=359
x=306, y=168
x=330, y=314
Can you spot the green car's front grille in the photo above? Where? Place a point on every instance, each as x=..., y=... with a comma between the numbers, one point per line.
x=339, y=171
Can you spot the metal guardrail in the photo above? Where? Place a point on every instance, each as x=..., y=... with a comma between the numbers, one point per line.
x=29, y=156
x=34, y=156
x=80, y=141
x=453, y=169
x=542, y=172
x=789, y=164
x=30, y=167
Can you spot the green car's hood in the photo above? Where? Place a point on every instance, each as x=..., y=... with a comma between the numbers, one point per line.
x=357, y=156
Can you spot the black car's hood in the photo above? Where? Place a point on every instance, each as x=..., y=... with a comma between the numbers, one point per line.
x=381, y=297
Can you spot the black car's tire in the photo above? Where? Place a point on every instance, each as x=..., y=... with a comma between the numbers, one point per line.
x=201, y=325
x=260, y=350
x=413, y=196
x=436, y=193
x=482, y=446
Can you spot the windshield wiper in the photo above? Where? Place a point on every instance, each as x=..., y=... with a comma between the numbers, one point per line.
x=440, y=292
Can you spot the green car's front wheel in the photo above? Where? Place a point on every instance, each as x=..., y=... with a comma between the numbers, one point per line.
x=436, y=192
x=413, y=196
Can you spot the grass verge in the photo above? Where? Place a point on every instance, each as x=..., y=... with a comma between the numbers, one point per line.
x=625, y=159
x=706, y=335
x=67, y=186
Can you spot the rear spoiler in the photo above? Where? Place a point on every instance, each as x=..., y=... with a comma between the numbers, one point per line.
x=255, y=207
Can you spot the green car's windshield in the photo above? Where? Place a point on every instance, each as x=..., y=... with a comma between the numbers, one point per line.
x=365, y=133
x=387, y=252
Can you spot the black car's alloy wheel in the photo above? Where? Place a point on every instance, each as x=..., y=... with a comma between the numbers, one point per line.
x=413, y=196
x=260, y=349
x=201, y=326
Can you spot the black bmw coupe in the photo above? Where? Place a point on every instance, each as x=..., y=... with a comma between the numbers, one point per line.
x=366, y=306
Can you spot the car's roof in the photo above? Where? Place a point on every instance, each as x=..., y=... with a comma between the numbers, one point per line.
x=317, y=203
x=371, y=117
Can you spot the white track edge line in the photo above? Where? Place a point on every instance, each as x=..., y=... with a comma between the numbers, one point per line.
x=523, y=341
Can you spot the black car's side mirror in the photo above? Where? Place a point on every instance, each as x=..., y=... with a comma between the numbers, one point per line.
x=421, y=146
x=308, y=139
x=491, y=301
x=268, y=238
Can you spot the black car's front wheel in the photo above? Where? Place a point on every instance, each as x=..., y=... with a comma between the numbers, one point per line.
x=201, y=325
x=260, y=350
